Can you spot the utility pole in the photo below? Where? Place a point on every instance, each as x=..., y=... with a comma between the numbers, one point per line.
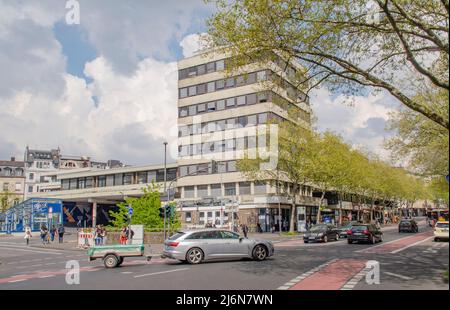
x=279, y=203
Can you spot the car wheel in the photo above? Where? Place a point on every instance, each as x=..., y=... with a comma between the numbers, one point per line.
x=337, y=237
x=325, y=239
x=259, y=253
x=194, y=256
x=110, y=261
x=305, y=241
x=349, y=241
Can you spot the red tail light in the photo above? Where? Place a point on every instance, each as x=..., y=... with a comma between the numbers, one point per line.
x=174, y=244
x=349, y=232
x=366, y=232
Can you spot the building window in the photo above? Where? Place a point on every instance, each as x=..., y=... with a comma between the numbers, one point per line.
x=242, y=121
x=260, y=188
x=30, y=189
x=229, y=82
x=6, y=187
x=252, y=120
x=183, y=92
x=81, y=183
x=151, y=176
x=189, y=192
x=201, y=89
x=216, y=189
x=262, y=118
x=220, y=105
x=220, y=65
x=230, y=189
x=240, y=100
x=18, y=187
x=188, y=217
x=183, y=112
x=231, y=123
x=251, y=99
x=220, y=84
x=230, y=102
x=31, y=176
x=201, y=108
x=118, y=179
x=89, y=182
x=261, y=76
x=210, y=87
x=142, y=177
x=262, y=97
x=127, y=178
x=110, y=180
x=192, y=90
x=231, y=166
x=192, y=110
x=211, y=106
x=183, y=171
x=202, y=191
x=240, y=81
x=201, y=69
x=251, y=78
x=101, y=181
x=73, y=184
x=244, y=188
x=65, y=184
x=210, y=67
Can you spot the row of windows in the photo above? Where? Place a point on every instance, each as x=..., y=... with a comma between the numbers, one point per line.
x=18, y=172
x=223, y=104
x=226, y=124
x=228, y=145
x=200, y=169
x=17, y=188
x=230, y=82
x=119, y=179
x=209, y=67
x=229, y=190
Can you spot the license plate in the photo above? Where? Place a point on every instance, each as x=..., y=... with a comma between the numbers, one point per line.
x=357, y=234
x=311, y=238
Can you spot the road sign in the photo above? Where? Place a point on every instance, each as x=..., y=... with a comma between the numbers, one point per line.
x=130, y=210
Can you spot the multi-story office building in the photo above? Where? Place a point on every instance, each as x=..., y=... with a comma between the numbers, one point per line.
x=12, y=182
x=218, y=115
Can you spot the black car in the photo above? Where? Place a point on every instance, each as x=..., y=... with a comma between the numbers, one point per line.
x=365, y=233
x=408, y=225
x=321, y=233
x=345, y=227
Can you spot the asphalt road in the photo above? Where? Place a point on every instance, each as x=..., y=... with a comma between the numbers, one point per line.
x=404, y=261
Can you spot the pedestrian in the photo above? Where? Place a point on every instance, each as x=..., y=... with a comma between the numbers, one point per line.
x=53, y=232
x=79, y=222
x=44, y=233
x=61, y=232
x=123, y=235
x=28, y=234
x=244, y=230
x=258, y=225
x=98, y=235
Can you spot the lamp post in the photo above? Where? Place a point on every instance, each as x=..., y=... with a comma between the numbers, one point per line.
x=165, y=180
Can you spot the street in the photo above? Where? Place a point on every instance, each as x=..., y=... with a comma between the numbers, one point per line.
x=406, y=262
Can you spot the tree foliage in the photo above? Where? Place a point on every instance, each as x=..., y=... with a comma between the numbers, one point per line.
x=348, y=45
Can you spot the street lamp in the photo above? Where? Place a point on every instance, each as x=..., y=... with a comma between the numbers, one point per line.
x=165, y=180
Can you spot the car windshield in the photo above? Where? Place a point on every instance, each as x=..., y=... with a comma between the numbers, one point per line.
x=347, y=225
x=359, y=228
x=442, y=225
x=176, y=236
x=318, y=228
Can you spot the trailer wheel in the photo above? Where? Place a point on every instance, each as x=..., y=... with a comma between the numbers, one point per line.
x=110, y=261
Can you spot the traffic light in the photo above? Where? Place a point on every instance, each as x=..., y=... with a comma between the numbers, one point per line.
x=161, y=212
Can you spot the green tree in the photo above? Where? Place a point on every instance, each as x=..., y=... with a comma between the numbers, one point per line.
x=396, y=46
x=5, y=202
x=420, y=142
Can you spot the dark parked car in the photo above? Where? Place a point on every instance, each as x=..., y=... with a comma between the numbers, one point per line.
x=345, y=227
x=321, y=233
x=365, y=233
x=408, y=225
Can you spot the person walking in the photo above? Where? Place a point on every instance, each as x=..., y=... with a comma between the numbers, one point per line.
x=61, y=232
x=44, y=234
x=258, y=225
x=28, y=234
x=244, y=230
x=53, y=232
x=104, y=235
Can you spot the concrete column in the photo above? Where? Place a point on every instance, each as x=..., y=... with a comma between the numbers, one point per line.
x=94, y=214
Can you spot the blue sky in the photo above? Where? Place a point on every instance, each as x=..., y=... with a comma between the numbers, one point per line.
x=107, y=88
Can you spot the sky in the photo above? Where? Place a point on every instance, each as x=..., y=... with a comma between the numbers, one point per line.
x=107, y=87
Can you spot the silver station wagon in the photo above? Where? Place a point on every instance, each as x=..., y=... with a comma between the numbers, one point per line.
x=197, y=246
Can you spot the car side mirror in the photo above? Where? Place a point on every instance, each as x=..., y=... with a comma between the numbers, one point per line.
x=240, y=239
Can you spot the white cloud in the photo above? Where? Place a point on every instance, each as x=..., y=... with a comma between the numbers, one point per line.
x=361, y=123
x=192, y=43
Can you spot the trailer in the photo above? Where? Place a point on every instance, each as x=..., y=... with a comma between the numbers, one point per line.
x=113, y=255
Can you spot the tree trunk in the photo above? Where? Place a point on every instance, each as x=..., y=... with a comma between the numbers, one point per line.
x=292, y=219
x=320, y=205
x=340, y=208
x=371, y=209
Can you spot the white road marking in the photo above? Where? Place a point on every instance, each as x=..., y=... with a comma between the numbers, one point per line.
x=48, y=276
x=397, y=275
x=355, y=280
x=127, y=272
x=26, y=250
x=50, y=264
x=37, y=265
x=14, y=281
x=161, y=272
x=410, y=245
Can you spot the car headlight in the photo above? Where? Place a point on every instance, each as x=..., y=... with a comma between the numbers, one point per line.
x=320, y=234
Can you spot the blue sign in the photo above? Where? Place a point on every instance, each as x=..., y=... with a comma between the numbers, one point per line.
x=446, y=177
x=130, y=210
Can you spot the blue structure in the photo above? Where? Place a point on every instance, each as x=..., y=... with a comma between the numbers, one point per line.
x=33, y=212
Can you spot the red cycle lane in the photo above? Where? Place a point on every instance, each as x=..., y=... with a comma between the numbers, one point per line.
x=332, y=277
x=399, y=244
